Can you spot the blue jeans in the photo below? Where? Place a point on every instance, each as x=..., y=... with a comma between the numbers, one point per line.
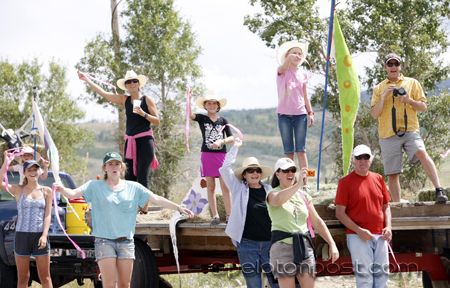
x=370, y=261
x=254, y=259
x=293, y=126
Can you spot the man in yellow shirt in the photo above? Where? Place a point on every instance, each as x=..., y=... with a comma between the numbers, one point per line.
x=403, y=97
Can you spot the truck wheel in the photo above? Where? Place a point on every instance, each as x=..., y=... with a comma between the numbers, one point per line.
x=145, y=269
x=7, y=275
x=426, y=281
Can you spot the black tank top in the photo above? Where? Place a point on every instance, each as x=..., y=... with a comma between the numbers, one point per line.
x=136, y=123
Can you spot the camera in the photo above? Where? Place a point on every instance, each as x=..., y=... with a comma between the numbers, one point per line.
x=400, y=91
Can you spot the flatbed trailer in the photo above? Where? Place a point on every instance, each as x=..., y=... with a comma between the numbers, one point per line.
x=420, y=243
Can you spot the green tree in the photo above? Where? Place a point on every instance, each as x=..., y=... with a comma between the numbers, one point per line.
x=58, y=108
x=413, y=29
x=161, y=45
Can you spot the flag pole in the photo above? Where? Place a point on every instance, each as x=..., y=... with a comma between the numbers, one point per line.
x=326, y=85
x=32, y=127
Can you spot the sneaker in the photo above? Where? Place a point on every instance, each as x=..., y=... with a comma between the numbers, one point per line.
x=227, y=218
x=215, y=220
x=440, y=195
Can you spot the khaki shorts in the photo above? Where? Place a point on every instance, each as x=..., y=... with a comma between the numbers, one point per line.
x=391, y=150
x=282, y=260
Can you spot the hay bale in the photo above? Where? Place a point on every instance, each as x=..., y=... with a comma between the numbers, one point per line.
x=164, y=216
x=220, y=208
x=429, y=194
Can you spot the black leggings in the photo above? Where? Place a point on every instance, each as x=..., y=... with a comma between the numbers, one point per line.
x=145, y=151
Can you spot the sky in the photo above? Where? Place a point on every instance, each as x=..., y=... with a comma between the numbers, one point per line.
x=236, y=63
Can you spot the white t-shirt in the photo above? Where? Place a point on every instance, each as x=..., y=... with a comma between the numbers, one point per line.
x=19, y=168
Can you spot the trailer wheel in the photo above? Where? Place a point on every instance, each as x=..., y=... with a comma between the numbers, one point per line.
x=426, y=281
x=145, y=269
x=7, y=275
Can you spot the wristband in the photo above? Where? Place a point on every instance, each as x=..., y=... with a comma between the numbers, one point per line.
x=146, y=115
x=311, y=112
x=178, y=208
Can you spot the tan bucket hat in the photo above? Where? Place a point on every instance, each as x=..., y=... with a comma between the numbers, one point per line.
x=28, y=150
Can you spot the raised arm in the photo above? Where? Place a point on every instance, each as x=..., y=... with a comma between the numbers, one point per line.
x=111, y=97
x=279, y=198
x=287, y=62
x=45, y=172
x=12, y=188
x=227, y=172
x=191, y=112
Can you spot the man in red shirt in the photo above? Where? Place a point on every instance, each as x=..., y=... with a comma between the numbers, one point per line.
x=362, y=206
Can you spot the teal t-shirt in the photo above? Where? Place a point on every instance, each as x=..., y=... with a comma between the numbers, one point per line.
x=291, y=216
x=114, y=212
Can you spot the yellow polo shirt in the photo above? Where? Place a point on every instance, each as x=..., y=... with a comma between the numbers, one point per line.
x=415, y=92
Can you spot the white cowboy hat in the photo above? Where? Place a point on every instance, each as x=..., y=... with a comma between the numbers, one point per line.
x=252, y=162
x=210, y=96
x=286, y=46
x=28, y=150
x=129, y=76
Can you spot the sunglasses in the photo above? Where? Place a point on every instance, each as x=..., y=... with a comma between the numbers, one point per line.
x=365, y=156
x=293, y=170
x=252, y=170
x=392, y=64
x=131, y=81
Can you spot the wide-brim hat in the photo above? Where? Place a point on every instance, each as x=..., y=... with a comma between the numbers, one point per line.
x=28, y=150
x=285, y=47
x=252, y=162
x=210, y=95
x=130, y=76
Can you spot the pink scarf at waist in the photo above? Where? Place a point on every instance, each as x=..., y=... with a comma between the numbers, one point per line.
x=132, y=151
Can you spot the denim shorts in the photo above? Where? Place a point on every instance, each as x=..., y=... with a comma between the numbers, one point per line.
x=107, y=248
x=293, y=127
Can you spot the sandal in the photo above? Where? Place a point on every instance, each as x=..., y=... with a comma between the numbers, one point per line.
x=215, y=220
x=227, y=218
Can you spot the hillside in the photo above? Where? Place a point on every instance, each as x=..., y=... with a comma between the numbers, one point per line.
x=261, y=140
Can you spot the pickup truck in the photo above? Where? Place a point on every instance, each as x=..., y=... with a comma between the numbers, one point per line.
x=66, y=263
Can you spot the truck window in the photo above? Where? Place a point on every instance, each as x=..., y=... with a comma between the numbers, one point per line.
x=13, y=178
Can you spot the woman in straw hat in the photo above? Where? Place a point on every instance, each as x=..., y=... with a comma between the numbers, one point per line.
x=113, y=202
x=28, y=154
x=141, y=111
x=249, y=224
x=294, y=110
x=214, y=148
x=293, y=217
x=34, y=206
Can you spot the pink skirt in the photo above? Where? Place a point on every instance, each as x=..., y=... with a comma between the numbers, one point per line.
x=211, y=162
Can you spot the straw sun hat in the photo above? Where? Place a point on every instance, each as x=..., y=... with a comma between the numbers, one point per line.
x=130, y=76
x=210, y=95
x=285, y=47
x=252, y=162
x=28, y=150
